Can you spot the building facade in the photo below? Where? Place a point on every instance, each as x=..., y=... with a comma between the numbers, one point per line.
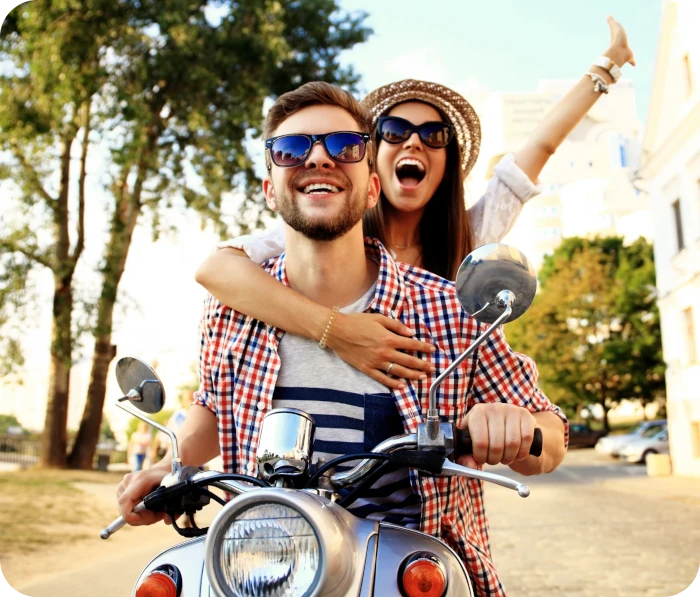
x=671, y=173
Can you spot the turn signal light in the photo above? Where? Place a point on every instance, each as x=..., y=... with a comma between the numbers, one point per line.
x=157, y=584
x=424, y=578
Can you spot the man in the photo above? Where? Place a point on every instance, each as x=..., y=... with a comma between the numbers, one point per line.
x=321, y=184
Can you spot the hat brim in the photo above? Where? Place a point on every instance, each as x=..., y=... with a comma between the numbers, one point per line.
x=458, y=110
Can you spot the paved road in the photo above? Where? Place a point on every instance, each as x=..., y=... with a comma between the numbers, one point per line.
x=597, y=528
x=591, y=528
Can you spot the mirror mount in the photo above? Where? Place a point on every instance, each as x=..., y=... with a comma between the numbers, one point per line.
x=487, y=284
x=432, y=421
x=176, y=460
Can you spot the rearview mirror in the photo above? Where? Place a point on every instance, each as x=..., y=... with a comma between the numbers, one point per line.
x=140, y=384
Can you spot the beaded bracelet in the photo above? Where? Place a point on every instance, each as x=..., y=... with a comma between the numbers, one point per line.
x=599, y=84
x=322, y=342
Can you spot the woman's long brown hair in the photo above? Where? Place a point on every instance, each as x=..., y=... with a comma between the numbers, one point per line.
x=445, y=233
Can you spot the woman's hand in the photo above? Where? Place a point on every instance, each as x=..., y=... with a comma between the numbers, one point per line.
x=371, y=342
x=619, y=51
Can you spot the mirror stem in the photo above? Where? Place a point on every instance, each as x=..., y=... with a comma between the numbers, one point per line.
x=504, y=300
x=176, y=460
x=133, y=395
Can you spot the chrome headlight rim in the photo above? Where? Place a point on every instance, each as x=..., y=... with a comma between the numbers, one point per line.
x=298, y=501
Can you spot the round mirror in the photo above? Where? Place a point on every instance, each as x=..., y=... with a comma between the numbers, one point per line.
x=488, y=270
x=133, y=374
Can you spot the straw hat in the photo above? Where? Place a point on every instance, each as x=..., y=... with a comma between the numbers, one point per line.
x=458, y=110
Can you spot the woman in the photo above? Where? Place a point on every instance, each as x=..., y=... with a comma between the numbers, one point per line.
x=428, y=141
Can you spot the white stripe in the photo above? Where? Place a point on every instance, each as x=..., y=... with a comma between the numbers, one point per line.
x=320, y=407
x=335, y=434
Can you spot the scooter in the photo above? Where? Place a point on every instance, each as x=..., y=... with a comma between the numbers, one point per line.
x=287, y=532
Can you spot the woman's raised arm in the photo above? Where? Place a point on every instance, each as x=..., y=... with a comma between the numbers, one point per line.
x=564, y=117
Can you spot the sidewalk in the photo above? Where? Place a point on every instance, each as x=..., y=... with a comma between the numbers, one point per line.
x=672, y=487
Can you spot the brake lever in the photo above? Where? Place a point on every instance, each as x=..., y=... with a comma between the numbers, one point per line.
x=451, y=469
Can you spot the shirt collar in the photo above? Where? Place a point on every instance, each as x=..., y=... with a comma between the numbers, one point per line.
x=391, y=289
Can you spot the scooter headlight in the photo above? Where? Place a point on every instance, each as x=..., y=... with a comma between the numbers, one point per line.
x=269, y=550
x=276, y=542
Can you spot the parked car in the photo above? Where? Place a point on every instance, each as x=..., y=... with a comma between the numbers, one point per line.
x=637, y=450
x=610, y=444
x=582, y=436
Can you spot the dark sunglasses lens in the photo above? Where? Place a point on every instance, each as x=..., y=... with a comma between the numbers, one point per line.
x=291, y=150
x=394, y=130
x=345, y=147
x=435, y=134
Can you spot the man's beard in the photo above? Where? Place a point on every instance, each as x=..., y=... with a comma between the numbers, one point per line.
x=322, y=229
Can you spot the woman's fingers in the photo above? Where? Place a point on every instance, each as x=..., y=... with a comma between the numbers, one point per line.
x=393, y=383
x=414, y=363
x=405, y=372
x=412, y=345
x=394, y=325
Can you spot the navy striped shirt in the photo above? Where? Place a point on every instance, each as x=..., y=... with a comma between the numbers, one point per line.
x=353, y=413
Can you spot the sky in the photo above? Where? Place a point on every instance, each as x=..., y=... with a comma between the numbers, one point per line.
x=499, y=45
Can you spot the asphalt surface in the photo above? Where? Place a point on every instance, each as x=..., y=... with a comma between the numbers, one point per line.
x=594, y=527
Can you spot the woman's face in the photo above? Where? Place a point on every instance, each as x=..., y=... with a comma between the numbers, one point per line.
x=407, y=185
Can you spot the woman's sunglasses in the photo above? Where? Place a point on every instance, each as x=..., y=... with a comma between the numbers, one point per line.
x=393, y=129
x=344, y=147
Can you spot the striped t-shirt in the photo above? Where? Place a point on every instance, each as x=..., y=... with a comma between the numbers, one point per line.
x=353, y=413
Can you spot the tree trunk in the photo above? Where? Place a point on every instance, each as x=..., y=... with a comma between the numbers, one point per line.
x=606, y=422
x=88, y=436
x=54, y=440
x=123, y=223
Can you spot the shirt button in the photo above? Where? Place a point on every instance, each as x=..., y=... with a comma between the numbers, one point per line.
x=261, y=405
x=393, y=314
x=251, y=467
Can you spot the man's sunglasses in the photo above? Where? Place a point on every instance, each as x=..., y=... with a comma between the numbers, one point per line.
x=393, y=129
x=344, y=147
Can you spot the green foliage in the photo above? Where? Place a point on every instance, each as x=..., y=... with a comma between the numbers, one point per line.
x=7, y=421
x=161, y=417
x=172, y=89
x=593, y=328
x=106, y=432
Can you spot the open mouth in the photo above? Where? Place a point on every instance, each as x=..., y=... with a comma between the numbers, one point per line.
x=319, y=188
x=410, y=172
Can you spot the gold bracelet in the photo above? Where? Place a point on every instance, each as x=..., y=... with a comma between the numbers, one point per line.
x=322, y=342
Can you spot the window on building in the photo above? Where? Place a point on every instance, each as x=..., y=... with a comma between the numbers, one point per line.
x=623, y=154
x=687, y=67
x=689, y=326
x=676, y=206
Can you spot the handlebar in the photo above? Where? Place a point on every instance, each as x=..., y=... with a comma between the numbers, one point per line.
x=409, y=441
x=213, y=478
x=463, y=443
x=119, y=523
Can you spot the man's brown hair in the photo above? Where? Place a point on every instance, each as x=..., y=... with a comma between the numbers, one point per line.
x=317, y=93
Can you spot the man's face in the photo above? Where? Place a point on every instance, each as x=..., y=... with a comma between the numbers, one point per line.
x=321, y=199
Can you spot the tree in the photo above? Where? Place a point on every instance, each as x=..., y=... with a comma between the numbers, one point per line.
x=46, y=111
x=7, y=422
x=181, y=92
x=593, y=328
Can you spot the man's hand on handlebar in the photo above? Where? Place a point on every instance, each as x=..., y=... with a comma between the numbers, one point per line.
x=133, y=488
x=500, y=434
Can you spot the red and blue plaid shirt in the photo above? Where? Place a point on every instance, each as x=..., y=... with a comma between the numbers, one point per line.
x=239, y=364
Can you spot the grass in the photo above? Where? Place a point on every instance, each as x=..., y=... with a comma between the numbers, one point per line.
x=39, y=507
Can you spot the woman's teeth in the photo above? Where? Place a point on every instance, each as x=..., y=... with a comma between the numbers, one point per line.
x=320, y=188
x=410, y=162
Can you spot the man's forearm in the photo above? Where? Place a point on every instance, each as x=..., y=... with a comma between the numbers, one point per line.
x=553, y=446
x=197, y=439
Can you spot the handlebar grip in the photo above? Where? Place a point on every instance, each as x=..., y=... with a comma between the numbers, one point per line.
x=119, y=523
x=463, y=443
